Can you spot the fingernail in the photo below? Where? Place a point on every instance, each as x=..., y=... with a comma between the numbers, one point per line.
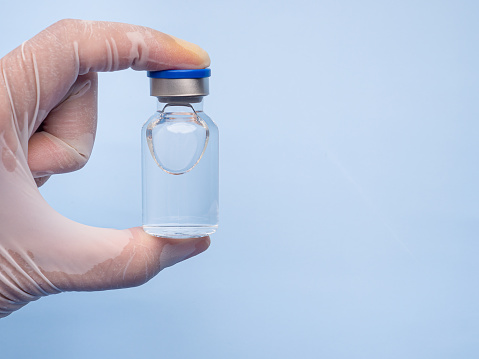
x=174, y=253
x=200, y=246
x=38, y=174
x=202, y=54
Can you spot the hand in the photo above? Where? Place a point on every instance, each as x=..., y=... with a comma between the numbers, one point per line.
x=48, y=113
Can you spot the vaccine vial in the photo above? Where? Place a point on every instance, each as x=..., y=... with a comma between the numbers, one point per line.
x=180, y=158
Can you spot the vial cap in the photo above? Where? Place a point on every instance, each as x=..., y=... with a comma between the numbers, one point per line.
x=179, y=85
x=180, y=74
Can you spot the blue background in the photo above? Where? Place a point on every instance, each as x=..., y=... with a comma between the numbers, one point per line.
x=349, y=186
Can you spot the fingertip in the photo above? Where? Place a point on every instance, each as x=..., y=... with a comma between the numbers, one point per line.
x=172, y=250
x=202, y=58
x=178, y=250
x=200, y=244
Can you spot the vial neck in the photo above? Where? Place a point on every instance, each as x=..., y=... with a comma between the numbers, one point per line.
x=180, y=104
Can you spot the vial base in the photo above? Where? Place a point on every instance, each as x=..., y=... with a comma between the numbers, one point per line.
x=179, y=231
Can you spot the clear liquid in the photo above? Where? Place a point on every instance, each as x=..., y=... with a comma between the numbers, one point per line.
x=180, y=175
x=180, y=232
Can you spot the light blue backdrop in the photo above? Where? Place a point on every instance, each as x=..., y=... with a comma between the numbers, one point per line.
x=349, y=186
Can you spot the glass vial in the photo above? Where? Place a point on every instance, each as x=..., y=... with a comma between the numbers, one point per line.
x=180, y=158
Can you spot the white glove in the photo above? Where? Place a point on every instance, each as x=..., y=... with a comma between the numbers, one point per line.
x=48, y=113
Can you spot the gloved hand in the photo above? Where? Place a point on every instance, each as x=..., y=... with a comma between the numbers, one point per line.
x=48, y=113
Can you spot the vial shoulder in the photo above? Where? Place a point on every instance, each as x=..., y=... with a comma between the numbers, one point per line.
x=152, y=118
x=209, y=121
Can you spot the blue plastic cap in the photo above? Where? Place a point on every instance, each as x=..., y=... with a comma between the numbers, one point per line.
x=180, y=74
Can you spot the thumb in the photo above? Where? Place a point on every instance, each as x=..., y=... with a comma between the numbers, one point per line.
x=42, y=252
x=120, y=259
x=54, y=253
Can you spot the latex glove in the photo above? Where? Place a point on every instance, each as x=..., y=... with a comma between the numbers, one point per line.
x=48, y=111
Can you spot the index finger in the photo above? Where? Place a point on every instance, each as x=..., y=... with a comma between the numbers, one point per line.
x=52, y=60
